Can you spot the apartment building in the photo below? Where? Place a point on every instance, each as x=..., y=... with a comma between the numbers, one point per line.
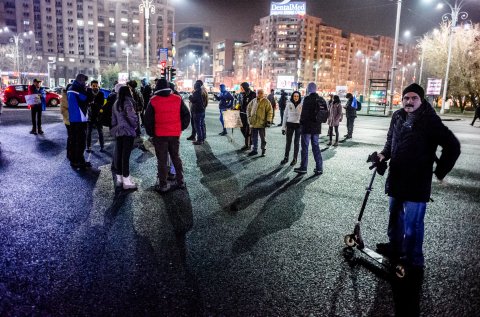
x=86, y=35
x=304, y=48
x=224, y=61
x=194, y=52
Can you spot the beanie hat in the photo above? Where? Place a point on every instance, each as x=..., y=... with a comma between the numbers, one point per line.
x=162, y=83
x=199, y=82
x=81, y=78
x=311, y=88
x=416, y=88
x=245, y=85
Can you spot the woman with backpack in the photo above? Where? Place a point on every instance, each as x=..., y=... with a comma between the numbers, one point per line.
x=291, y=125
x=335, y=116
x=124, y=123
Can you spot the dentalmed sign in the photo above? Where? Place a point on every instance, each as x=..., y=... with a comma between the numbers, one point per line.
x=288, y=8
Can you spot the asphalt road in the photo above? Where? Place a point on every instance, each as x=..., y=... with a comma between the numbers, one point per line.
x=248, y=238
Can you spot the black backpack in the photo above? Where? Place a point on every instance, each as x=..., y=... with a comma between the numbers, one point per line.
x=322, y=113
x=359, y=105
x=106, y=110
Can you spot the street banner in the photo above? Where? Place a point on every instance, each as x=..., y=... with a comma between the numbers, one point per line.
x=231, y=119
x=33, y=99
x=162, y=55
x=434, y=86
x=122, y=78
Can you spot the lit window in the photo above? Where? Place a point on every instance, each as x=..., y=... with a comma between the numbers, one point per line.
x=124, y=34
x=61, y=59
x=112, y=20
x=100, y=25
x=80, y=23
x=124, y=19
x=112, y=34
x=135, y=21
x=72, y=60
x=90, y=22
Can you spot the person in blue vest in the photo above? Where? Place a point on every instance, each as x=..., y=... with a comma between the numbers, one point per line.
x=225, y=99
x=78, y=115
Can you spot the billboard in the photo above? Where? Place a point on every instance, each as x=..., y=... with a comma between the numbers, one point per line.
x=434, y=86
x=285, y=82
x=288, y=8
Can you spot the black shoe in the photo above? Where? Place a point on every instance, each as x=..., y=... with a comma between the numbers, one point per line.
x=279, y=125
x=171, y=177
x=245, y=147
x=197, y=142
x=348, y=137
x=385, y=249
x=263, y=152
x=294, y=162
x=253, y=153
x=181, y=185
x=87, y=164
x=300, y=170
x=191, y=138
x=223, y=133
x=284, y=161
x=40, y=131
x=89, y=150
x=317, y=172
x=329, y=143
x=33, y=132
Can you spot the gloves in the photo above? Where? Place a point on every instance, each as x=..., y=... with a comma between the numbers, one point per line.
x=268, y=124
x=284, y=132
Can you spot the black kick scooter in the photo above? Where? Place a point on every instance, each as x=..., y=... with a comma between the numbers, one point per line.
x=355, y=239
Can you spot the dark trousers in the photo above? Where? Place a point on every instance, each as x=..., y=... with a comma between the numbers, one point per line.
x=293, y=129
x=69, y=142
x=255, y=133
x=163, y=146
x=97, y=126
x=476, y=116
x=330, y=133
x=245, y=128
x=192, y=124
x=78, y=133
x=199, y=123
x=221, y=120
x=350, y=121
x=121, y=159
x=36, y=117
x=282, y=111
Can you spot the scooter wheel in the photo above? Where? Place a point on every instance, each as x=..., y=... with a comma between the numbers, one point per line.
x=349, y=240
x=400, y=271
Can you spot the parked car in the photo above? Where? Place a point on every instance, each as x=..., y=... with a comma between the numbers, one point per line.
x=14, y=95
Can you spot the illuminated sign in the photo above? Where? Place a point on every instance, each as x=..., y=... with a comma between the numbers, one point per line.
x=285, y=81
x=288, y=8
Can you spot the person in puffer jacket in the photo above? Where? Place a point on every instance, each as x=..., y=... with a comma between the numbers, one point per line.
x=291, y=126
x=413, y=137
x=165, y=119
x=124, y=124
x=78, y=116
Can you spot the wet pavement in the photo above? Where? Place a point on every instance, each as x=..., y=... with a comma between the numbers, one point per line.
x=247, y=238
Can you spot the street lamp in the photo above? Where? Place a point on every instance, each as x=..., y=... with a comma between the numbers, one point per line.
x=367, y=59
x=453, y=17
x=16, y=39
x=147, y=7
x=128, y=51
x=48, y=70
x=395, y=49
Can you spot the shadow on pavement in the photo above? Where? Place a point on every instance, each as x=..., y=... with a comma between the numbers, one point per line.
x=3, y=160
x=215, y=174
x=48, y=147
x=260, y=187
x=280, y=211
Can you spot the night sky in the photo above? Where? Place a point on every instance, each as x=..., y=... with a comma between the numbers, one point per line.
x=235, y=19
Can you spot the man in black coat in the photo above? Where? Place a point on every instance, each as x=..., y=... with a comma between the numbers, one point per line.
x=198, y=112
x=247, y=96
x=351, y=114
x=310, y=127
x=95, y=103
x=413, y=137
x=282, y=104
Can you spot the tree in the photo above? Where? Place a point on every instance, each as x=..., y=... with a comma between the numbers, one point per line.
x=110, y=75
x=464, y=77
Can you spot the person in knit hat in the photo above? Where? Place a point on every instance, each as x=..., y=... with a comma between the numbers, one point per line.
x=247, y=96
x=310, y=127
x=413, y=137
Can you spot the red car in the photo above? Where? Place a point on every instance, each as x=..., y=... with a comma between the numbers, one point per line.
x=14, y=95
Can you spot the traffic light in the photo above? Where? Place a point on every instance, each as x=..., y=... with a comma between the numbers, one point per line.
x=173, y=74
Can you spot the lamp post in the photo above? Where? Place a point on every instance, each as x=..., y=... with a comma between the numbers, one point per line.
x=367, y=59
x=48, y=70
x=147, y=7
x=453, y=16
x=395, y=50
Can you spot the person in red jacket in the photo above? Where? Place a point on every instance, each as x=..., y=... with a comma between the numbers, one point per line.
x=165, y=119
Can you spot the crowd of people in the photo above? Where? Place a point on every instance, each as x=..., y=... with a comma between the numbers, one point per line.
x=415, y=133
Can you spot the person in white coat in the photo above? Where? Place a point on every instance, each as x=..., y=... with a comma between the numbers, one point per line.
x=291, y=126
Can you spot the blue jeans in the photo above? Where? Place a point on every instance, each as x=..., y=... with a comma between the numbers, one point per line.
x=221, y=119
x=406, y=229
x=199, y=122
x=317, y=154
